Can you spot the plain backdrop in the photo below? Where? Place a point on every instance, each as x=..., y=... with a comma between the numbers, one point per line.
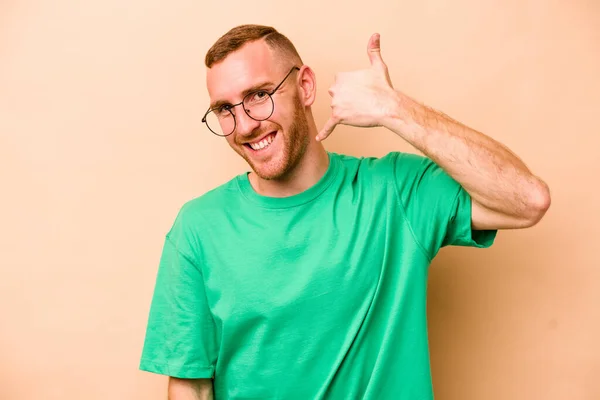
x=101, y=142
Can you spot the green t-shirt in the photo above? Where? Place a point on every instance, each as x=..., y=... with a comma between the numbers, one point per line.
x=321, y=295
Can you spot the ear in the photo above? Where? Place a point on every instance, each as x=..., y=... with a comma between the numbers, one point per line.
x=308, y=85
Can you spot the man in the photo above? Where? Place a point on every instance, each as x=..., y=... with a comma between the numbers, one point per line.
x=306, y=277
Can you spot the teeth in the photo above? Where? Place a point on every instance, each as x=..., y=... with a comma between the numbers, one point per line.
x=263, y=143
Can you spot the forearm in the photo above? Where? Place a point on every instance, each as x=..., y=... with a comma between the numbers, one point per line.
x=494, y=177
x=190, y=389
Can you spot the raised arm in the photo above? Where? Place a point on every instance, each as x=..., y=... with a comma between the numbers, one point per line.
x=190, y=389
x=505, y=193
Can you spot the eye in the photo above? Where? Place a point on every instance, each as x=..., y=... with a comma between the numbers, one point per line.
x=223, y=109
x=258, y=97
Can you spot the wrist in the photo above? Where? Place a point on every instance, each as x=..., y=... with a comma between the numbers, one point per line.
x=406, y=118
x=403, y=108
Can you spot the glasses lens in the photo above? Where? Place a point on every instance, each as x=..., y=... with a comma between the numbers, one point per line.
x=258, y=105
x=221, y=123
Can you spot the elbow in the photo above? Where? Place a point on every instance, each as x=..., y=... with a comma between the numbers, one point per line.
x=538, y=203
x=201, y=389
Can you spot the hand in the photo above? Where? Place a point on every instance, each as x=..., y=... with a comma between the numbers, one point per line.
x=362, y=98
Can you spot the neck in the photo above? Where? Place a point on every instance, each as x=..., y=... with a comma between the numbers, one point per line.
x=311, y=167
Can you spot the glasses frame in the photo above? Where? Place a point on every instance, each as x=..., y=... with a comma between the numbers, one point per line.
x=232, y=106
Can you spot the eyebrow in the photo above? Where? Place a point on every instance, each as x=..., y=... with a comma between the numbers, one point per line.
x=253, y=88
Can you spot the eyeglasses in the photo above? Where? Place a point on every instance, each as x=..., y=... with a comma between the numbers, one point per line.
x=258, y=105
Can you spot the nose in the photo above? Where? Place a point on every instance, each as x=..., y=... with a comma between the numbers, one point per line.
x=244, y=124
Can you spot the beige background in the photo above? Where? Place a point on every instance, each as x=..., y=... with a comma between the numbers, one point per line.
x=101, y=142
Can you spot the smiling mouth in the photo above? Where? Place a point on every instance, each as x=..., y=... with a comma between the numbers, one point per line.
x=261, y=144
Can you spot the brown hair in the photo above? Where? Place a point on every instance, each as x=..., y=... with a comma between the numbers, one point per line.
x=242, y=34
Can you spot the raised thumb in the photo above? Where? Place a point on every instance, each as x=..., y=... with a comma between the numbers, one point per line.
x=374, y=50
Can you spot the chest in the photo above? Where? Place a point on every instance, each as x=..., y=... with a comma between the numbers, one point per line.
x=285, y=262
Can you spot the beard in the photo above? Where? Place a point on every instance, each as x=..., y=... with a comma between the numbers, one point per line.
x=294, y=144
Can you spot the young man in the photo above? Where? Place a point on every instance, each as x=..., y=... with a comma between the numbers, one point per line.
x=306, y=277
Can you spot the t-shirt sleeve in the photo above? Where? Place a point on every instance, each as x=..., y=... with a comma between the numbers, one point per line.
x=180, y=336
x=437, y=207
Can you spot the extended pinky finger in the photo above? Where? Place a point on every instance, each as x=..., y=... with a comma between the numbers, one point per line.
x=327, y=129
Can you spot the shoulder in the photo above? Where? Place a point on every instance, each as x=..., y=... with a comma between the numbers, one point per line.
x=193, y=213
x=409, y=174
x=213, y=199
x=393, y=164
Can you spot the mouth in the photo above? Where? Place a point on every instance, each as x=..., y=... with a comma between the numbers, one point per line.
x=262, y=143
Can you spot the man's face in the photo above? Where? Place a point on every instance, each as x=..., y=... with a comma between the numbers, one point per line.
x=272, y=147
